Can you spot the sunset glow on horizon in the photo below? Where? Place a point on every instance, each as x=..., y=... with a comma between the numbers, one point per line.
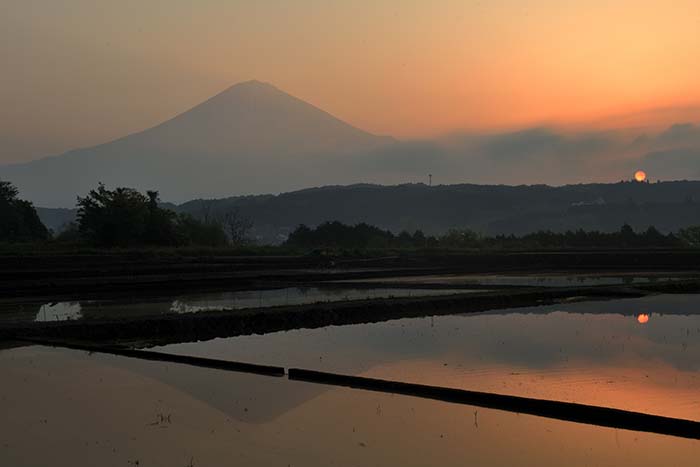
x=406, y=69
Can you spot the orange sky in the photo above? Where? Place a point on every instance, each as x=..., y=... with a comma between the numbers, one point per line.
x=80, y=72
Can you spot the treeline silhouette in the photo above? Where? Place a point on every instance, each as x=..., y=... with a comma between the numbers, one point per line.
x=336, y=235
x=122, y=217
x=19, y=221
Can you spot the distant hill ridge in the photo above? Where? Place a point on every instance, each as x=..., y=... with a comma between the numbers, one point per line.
x=492, y=209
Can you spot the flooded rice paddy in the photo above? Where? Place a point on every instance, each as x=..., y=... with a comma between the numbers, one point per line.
x=82, y=408
x=196, y=302
x=68, y=408
x=635, y=354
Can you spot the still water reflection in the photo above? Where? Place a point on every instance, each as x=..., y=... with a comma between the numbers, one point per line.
x=595, y=352
x=65, y=408
x=195, y=302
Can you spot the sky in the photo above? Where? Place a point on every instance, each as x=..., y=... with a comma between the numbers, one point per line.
x=77, y=73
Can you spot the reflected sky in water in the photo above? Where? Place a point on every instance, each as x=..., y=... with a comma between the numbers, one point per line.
x=60, y=311
x=142, y=305
x=66, y=408
x=593, y=352
x=196, y=302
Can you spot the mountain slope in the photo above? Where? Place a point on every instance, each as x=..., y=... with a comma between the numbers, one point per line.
x=488, y=209
x=250, y=138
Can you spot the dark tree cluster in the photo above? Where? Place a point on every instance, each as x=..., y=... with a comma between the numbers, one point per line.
x=626, y=237
x=690, y=236
x=338, y=235
x=19, y=221
x=363, y=236
x=125, y=217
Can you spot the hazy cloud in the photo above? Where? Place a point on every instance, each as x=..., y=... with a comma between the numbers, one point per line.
x=545, y=155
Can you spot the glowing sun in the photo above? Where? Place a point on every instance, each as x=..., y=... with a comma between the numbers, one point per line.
x=640, y=175
x=642, y=318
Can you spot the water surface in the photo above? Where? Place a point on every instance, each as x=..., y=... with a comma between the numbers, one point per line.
x=196, y=302
x=66, y=408
x=635, y=354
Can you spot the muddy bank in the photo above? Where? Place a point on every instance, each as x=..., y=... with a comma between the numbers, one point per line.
x=48, y=274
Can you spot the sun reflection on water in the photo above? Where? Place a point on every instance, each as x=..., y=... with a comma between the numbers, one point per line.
x=642, y=318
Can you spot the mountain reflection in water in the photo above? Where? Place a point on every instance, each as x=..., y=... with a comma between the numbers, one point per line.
x=591, y=352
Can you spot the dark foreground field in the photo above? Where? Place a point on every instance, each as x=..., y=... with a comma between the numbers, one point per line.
x=53, y=274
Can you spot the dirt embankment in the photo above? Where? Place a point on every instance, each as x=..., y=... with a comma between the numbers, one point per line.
x=55, y=274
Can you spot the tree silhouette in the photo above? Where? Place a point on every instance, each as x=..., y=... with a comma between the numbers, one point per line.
x=236, y=226
x=124, y=217
x=19, y=221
